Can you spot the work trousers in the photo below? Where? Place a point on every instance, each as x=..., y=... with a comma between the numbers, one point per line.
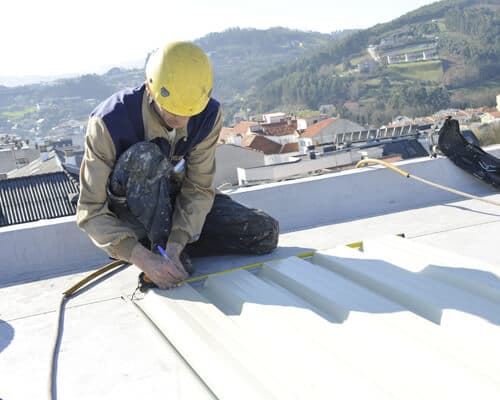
x=142, y=193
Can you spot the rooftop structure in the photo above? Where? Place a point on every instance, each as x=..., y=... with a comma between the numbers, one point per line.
x=37, y=197
x=49, y=164
x=413, y=317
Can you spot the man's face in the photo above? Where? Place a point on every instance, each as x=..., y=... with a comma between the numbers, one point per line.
x=172, y=120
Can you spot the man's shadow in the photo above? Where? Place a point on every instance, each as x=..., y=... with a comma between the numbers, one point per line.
x=6, y=335
x=363, y=286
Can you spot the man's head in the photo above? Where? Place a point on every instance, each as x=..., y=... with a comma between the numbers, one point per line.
x=179, y=79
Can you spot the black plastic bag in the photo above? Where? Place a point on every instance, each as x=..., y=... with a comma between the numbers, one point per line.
x=468, y=156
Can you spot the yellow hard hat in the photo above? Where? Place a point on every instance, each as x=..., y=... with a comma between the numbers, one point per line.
x=179, y=78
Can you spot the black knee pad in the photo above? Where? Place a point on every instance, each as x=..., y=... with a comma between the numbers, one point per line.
x=141, y=182
x=138, y=163
x=265, y=238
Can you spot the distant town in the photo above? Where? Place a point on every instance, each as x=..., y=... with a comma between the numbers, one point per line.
x=273, y=147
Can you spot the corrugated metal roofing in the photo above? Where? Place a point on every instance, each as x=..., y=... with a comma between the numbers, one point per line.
x=397, y=320
x=36, y=197
x=409, y=148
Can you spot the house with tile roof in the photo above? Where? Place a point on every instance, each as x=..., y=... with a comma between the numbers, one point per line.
x=236, y=134
x=304, y=122
x=276, y=117
x=324, y=131
x=461, y=116
x=290, y=148
x=261, y=143
x=225, y=134
x=279, y=132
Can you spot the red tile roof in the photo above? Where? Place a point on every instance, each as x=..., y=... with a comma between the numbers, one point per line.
x=289, y=148
x=280, y=128
x=239, y=129
x=224, y=133
x=261, y=143
x=243, y=126
x=316, y=128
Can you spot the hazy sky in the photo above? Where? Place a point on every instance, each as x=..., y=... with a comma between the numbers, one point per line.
x=49, y=37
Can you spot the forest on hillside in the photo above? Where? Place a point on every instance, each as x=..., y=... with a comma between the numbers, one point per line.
x=464, y=73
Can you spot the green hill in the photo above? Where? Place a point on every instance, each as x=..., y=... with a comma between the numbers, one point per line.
x=239, y=56
x=445, y=51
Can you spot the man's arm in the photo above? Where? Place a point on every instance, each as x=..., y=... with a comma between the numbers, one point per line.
x=104, y=228
x=197, y=192
x=93, y=214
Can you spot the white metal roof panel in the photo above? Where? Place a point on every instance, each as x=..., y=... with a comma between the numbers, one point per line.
x=345, y=324
x=475, y=276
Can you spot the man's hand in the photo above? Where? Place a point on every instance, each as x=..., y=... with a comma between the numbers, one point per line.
x=166, y=273
x=174, y=250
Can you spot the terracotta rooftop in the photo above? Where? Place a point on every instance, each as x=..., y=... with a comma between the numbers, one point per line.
x=280, y=128
x=243, y=126
x=225, y=132
x=289, y=148
x=316, y=128
x=239, y=129
x=261, y=143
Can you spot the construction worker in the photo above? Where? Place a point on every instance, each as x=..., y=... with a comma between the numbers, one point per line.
x=147, y=177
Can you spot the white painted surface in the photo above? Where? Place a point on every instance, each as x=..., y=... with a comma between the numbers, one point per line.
x=39, y=249
x=471, y=275
x=346, y=325
x=109, y=350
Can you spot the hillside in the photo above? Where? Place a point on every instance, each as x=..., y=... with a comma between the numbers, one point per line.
x=441, y=55
x=239, y=56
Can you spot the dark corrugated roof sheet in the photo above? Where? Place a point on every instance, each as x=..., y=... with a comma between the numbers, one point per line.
x=36, y=197
x=406, y=148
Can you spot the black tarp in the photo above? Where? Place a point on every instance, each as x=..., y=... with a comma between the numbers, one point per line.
x=468, y=156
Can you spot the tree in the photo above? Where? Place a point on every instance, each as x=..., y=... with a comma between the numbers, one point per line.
x=346, y=64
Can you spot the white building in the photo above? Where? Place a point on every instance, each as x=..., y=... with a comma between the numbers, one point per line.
x=272, y=118
x=7, y=160
x=305, y=122
x=11, y=158
x=229, y=157
x=325, y=131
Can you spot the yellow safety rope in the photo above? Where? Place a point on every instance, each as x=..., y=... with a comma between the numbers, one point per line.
x=436, y=185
